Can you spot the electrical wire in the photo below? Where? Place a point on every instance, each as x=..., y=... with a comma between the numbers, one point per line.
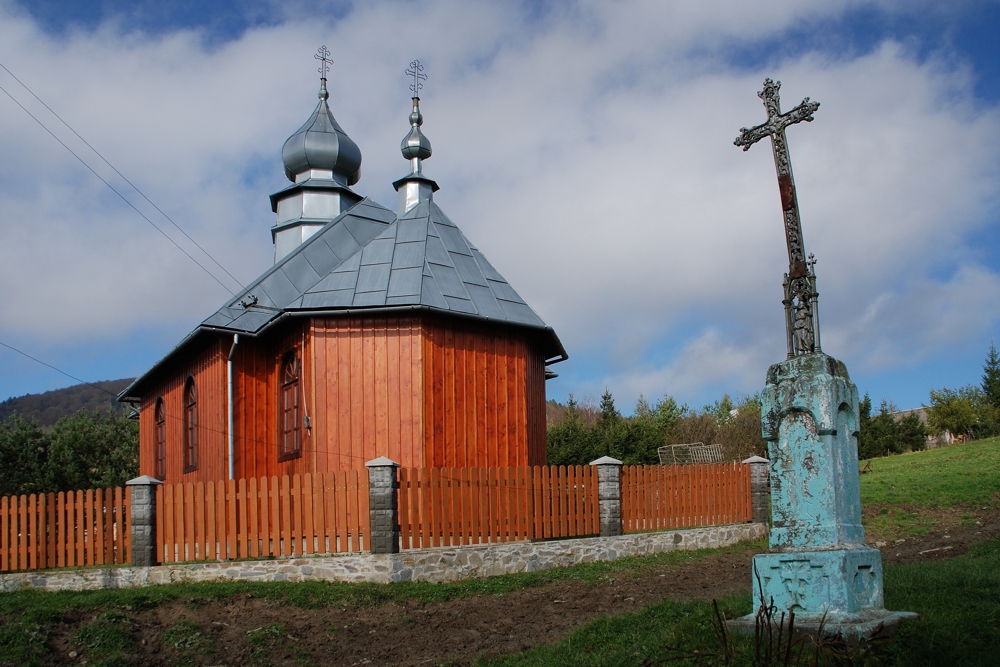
x=204, y=427
x=123, y=198
x=133, y=185
x=72, y=377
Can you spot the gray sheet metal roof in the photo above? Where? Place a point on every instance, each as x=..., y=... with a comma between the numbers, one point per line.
x=422, y=259
x=367, y=259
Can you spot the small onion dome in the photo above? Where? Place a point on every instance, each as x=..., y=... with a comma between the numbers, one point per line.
x=415, y=144
x=322, y=144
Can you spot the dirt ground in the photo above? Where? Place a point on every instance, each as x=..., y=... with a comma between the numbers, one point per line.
x=246, y=630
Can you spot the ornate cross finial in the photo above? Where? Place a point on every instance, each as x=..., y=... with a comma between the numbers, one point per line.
x=416, y=71
x=323, y=55
x=801, y=310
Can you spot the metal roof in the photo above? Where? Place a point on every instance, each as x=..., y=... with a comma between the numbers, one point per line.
x=365, y=260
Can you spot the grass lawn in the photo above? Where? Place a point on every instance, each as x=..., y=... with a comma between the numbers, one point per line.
x=966, y=474
x=911, y=494
x=958, y=601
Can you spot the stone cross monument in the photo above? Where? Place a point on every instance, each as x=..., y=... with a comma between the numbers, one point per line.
x=818, y=565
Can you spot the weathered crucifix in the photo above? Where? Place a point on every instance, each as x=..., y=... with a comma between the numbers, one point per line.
x=801, y=309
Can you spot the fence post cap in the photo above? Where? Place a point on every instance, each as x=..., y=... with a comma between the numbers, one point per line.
x=606, y=461
x=380, y=462
x=755, y=459
x=144, y=480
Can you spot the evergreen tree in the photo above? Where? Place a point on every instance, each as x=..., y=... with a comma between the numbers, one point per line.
x=23, y=452
x=91, y=450
x=991, y=377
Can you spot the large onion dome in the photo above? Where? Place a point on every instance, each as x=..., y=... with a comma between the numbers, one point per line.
x=322, y=144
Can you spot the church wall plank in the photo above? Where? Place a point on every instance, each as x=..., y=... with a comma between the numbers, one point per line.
x=206, y=365
x=485, y=395
x=423, y=390
x=368, y=388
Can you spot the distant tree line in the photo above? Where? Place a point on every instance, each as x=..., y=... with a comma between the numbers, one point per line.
x=51, y=406
x=587, y=432
x=578, y=434
x=84, y=451
x=971, y=411
x=886, y=433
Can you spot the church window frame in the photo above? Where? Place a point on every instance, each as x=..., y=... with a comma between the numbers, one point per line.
x=160, y=441
x=289, y=407
x=190, y=425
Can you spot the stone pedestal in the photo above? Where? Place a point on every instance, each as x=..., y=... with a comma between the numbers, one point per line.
x=818, y=565
x=759, y=501
x=142, y=522
x=609, y=495
x=383, y=504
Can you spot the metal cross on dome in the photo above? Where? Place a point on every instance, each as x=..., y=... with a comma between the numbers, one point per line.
x=801, y=308
x=416, y=71
x=323, y=55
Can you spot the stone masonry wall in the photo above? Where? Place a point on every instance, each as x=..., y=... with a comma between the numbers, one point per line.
x=434, y=565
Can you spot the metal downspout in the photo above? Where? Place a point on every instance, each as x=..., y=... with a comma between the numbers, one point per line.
x=229, y=389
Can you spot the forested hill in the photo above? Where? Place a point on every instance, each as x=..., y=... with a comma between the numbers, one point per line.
x=49, y=407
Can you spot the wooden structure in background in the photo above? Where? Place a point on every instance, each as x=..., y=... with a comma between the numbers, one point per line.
x=424, y=390
x=661, y=497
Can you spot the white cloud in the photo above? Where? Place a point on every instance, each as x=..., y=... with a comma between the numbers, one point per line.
x=588, y=152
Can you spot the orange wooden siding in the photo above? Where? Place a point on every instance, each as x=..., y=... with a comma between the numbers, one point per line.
x=486, y=400
x=364, y=392
x=421, y=390
x=208, y=367
x=256, y=386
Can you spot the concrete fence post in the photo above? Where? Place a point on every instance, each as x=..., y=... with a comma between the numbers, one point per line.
x=383, y=503
x=143, y=520
x=609, y=494
x=759, y=468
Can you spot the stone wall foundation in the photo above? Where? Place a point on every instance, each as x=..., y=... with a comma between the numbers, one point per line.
x=433, y=565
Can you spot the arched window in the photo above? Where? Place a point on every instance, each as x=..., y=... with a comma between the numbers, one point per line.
x=290, y=401
x=190, y=426
x=160, y=453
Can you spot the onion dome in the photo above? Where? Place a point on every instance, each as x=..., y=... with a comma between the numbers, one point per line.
x=322, y=144
x=415, y=144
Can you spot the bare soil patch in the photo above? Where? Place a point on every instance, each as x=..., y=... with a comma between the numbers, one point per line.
x=245, y=630
x=952, y=531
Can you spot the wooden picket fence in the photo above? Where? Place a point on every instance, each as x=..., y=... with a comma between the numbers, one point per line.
x=266, y=517
x=329, y=512
x=455, y=506
x=681, y=496
x=65, y=529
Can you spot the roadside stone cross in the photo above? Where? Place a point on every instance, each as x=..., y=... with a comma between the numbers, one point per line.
x=802, y=320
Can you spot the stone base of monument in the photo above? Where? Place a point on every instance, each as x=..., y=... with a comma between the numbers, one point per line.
x=867, y=625
x=818, y=566
x=831, y=591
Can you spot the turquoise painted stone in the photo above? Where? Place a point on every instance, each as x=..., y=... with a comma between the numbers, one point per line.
x=809, y=418
x=818, y=565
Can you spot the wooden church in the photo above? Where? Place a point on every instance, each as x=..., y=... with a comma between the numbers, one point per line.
x=375, y=333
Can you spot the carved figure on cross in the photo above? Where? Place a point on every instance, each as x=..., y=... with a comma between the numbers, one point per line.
x=801, y=309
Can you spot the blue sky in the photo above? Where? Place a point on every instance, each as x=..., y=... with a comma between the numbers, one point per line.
x=586, y=151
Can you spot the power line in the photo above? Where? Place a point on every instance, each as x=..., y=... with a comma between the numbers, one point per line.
x=134, y=187
x=204, y=427
x=123, y=198
x=72, y=377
